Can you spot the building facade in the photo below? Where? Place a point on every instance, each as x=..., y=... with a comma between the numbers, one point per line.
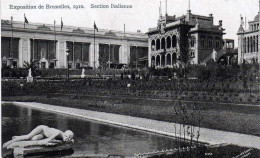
x=70, y=46
x=248, y=41
x=164, y=41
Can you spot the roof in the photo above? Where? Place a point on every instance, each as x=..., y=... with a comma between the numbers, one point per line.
x=241, y=29
x=70, y=29
x=256, y=17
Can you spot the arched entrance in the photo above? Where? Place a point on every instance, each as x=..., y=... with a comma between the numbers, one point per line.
x=158, y=60
x=168, y=59
x=163, y=60
x=153, y=61
x=174, y=58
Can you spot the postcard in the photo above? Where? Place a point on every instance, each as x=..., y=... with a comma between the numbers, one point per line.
x=130, y=78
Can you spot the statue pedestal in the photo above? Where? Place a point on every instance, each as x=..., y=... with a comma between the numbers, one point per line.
x=22, y=151
x=29, y=79
x=82, y=76
x=83, y=73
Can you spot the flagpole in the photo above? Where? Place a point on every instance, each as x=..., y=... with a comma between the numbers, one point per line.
x=24, y=21
x=61, y=24
x=11, y=52
x=54, y=40
x=94, y=47
x=124, y=30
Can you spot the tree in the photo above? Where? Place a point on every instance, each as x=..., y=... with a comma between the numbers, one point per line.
x=33, y=66
x=184, y=45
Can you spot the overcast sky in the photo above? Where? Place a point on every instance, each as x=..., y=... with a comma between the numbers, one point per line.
x=142, y=16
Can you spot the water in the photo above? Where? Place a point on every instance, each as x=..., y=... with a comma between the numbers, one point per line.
x=90, y=137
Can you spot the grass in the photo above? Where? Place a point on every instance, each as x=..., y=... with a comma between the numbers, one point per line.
x=228, y=117
x=226, y=151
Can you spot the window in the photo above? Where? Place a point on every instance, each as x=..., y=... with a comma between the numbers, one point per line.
x=15, y=64
x=217, y=44
x=174, y=41
x=9, y=47
x=210, y=43
x=77, y=65
x=168, y=42
x=153, y=45
x=51, y=65
x=192, y=54
x=203, y=43
x=158, y=44
x=163, y=43
x=192, y=41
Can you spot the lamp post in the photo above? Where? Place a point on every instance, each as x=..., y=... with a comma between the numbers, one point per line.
x=67, y=53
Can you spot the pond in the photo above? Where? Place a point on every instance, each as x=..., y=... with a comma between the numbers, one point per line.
x=90, y=137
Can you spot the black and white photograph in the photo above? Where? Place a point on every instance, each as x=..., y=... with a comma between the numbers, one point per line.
x=130, y=79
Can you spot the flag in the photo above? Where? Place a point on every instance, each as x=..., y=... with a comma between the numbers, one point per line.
x=95, y=26
x=25, y=20
x=61, y=26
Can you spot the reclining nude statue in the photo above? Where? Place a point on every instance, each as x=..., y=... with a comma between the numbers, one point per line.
x=41, y=135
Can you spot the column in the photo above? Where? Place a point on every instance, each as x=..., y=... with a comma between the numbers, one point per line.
x=149, y=52
x=24, y=51
x=61, y=55
x=125, y=52
x=196, y=45
x=91, y=54
x=120, y=53
x=20, y=56
x=240, y=49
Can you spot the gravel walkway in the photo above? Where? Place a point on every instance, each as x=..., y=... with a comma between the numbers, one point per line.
x=160, y=127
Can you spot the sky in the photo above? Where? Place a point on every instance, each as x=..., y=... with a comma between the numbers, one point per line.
x=143, y=14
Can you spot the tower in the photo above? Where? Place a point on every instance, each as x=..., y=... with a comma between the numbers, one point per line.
x=240, y=34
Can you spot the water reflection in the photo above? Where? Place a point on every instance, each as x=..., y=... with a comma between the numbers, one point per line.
x=90, y=137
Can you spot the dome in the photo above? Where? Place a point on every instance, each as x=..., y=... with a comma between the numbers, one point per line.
x=256, y=17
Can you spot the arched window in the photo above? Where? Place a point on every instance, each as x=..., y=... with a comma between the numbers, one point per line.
x=192, y=41
x=174, y=58
x=158, y=60
x=168, y=59
x=254, y=44
x=163, y=60
x=168, y=42
x=244, y=45
x=251, y=44
x=202, y=41
x=174, y=41
x=210, y=42
x=163, y=43
x=158, y=44
x=153, y=61
x=248, y=45
x=153, y=45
